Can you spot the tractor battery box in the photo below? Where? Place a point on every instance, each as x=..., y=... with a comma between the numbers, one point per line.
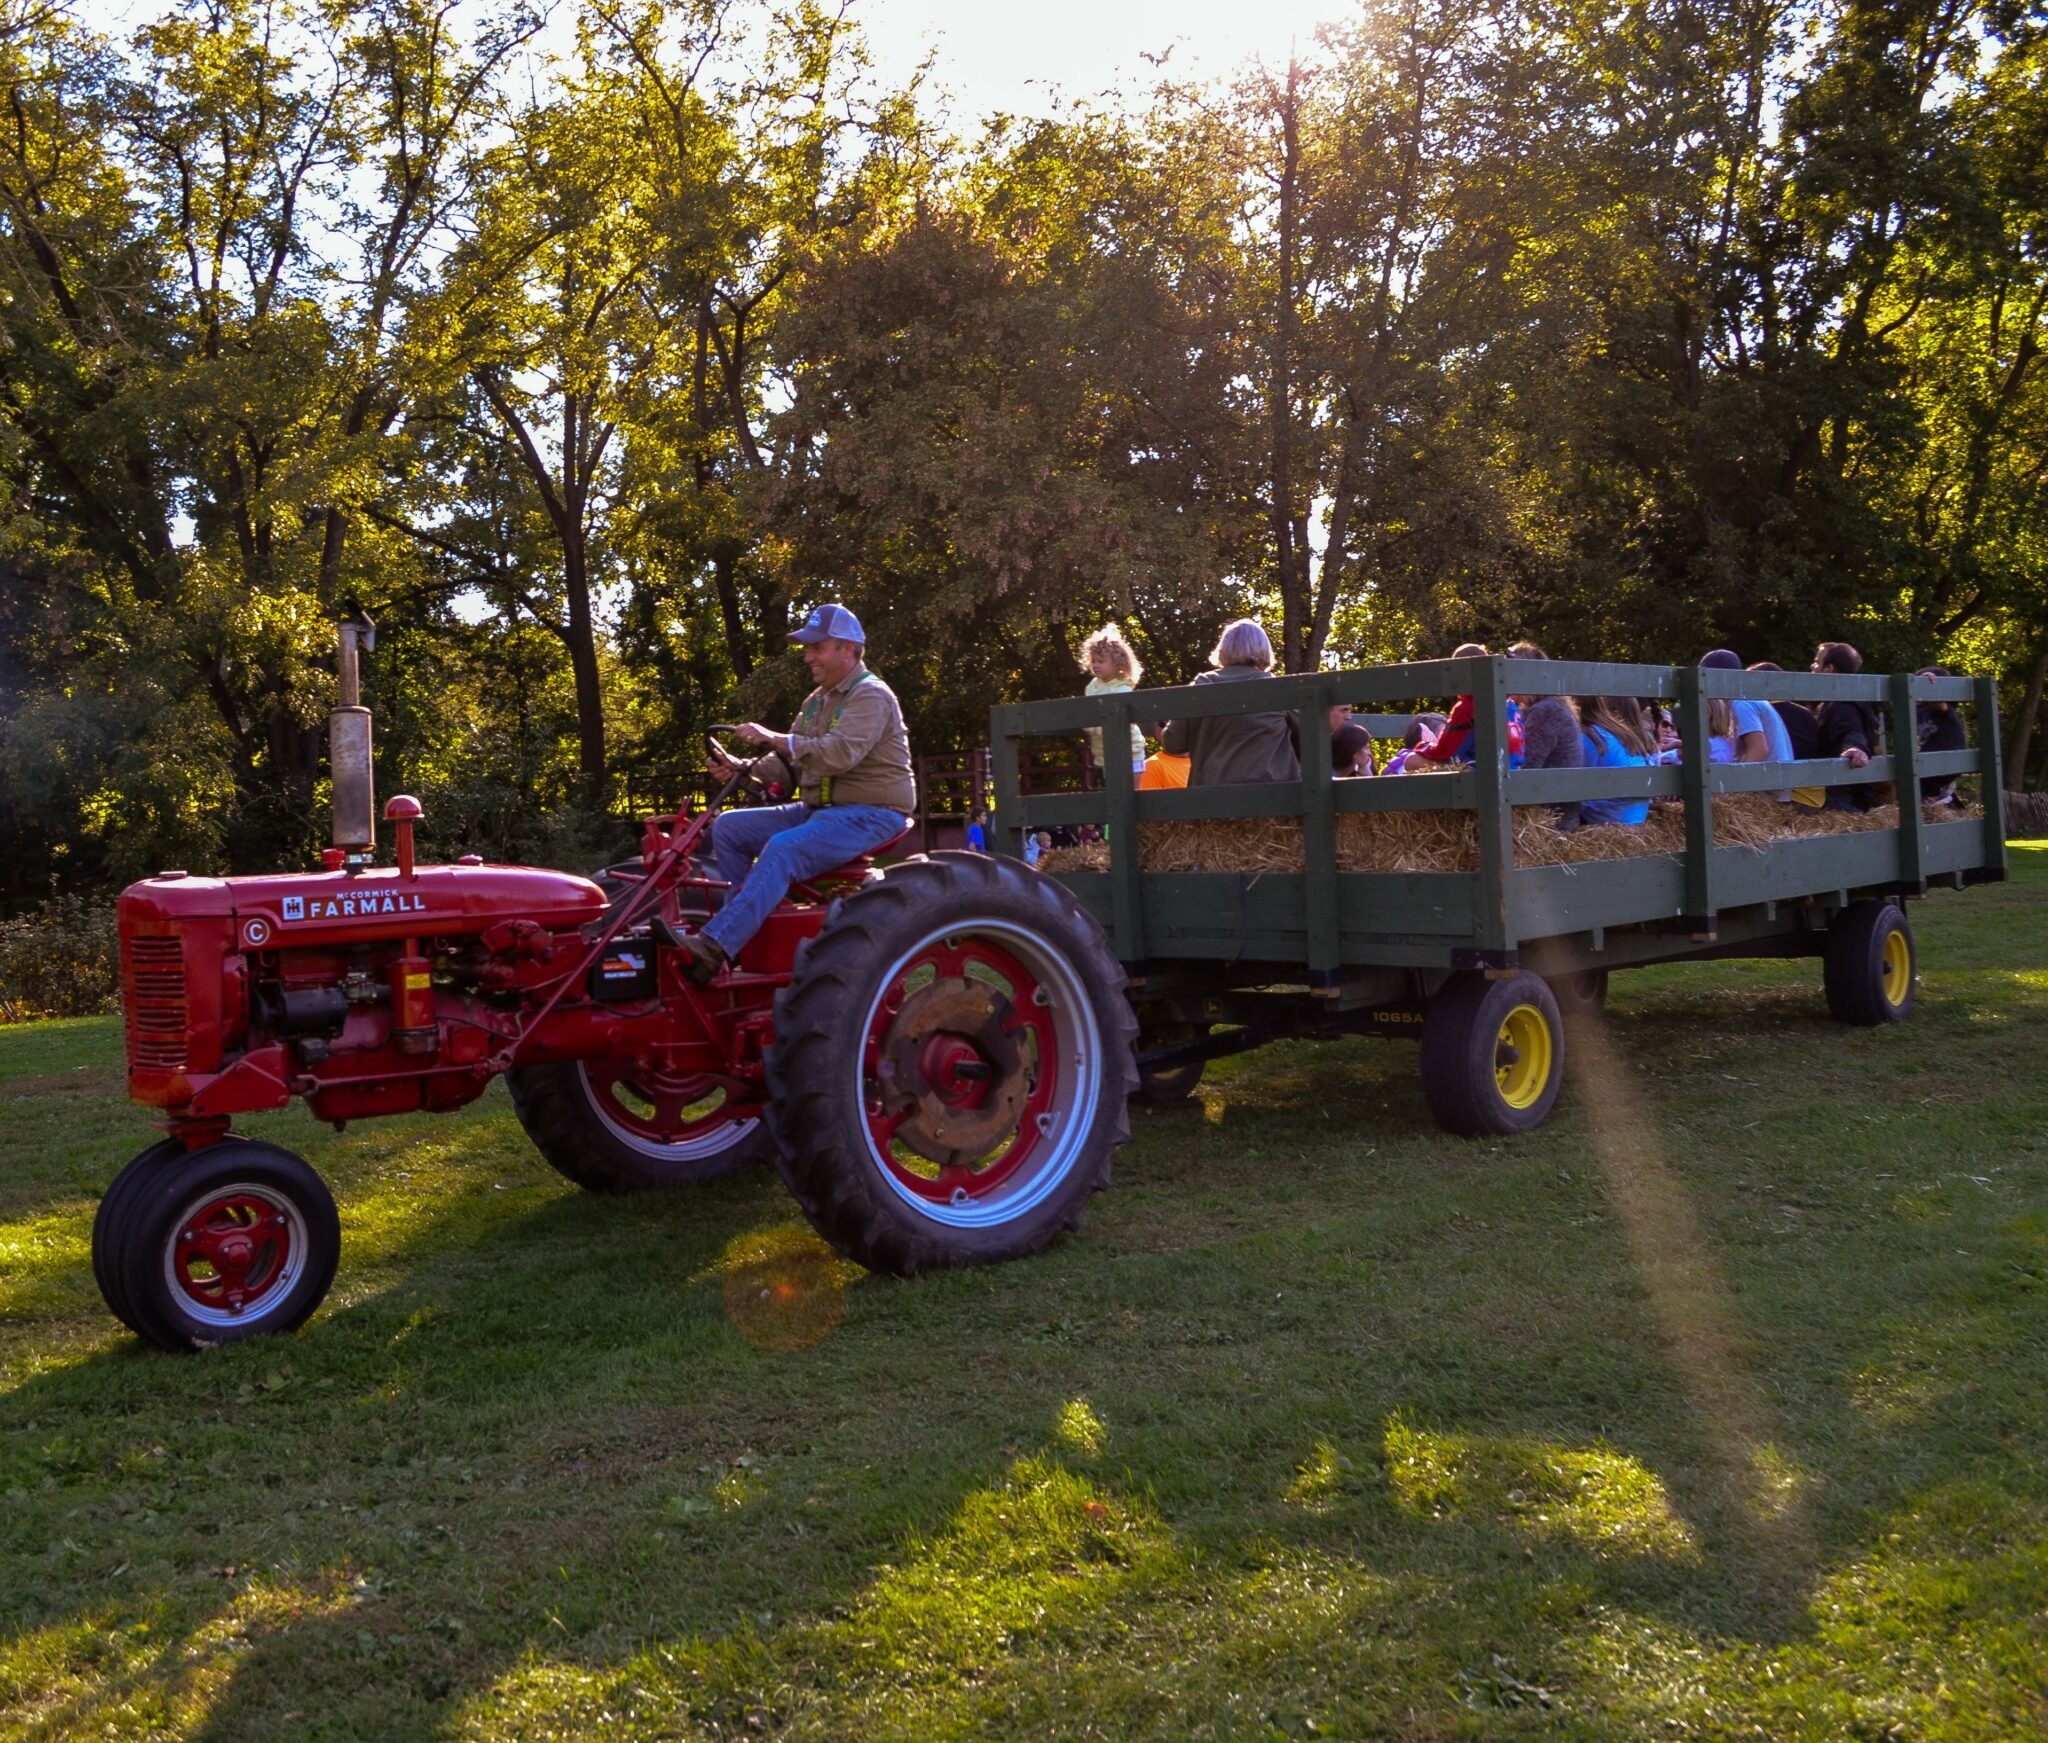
x=624, y=974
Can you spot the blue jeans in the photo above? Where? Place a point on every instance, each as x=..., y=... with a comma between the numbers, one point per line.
x=762, y=851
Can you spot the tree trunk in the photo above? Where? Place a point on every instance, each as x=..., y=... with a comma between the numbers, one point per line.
x=725, y=559
x=1294, y=626
x=2023, y=722
x=582, y=644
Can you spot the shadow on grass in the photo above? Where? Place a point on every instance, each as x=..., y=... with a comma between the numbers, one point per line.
x=1648, y=1422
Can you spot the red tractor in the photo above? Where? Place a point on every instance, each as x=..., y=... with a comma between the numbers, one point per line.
x=936, y=1056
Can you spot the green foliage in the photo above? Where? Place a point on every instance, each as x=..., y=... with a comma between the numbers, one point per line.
x=582, y=359
x=60, y=958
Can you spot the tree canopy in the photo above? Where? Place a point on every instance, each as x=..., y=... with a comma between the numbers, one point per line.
x=581, y=360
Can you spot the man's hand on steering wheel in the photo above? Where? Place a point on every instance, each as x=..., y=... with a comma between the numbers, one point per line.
x=753, y=732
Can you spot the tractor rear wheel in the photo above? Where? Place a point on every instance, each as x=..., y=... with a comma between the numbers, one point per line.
x=951, y=1064
x=194, y=1248
x=1492, y=1054
x=1870, y=964
x=612, y=1125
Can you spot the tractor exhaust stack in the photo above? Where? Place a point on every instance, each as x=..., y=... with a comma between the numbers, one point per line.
x=348, y=750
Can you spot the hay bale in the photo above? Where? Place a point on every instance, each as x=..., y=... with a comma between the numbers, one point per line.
x=1448, y=841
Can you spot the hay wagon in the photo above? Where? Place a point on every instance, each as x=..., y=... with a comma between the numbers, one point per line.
x=1447, y=908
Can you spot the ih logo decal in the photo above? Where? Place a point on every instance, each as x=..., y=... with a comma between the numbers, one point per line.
x=295, y=907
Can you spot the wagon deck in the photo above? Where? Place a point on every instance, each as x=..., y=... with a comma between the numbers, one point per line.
x=1383, y=947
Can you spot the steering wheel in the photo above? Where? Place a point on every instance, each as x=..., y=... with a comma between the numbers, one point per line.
x=746, y=777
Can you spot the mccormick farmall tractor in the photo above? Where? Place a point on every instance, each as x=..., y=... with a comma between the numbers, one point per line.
x=936, y=1056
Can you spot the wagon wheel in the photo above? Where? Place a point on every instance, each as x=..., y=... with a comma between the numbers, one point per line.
x=1163, y=1086
x=1871, y=964
x=1492, y=1054
x=1581, y=997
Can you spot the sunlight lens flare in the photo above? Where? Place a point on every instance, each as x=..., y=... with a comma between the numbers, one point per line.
x=785, y=1289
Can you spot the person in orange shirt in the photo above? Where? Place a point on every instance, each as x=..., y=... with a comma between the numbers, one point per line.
x=1163, y=769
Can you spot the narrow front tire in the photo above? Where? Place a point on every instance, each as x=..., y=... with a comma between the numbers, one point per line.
x=234, y=1240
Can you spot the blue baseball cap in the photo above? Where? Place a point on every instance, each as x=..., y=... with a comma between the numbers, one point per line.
x=830, y=620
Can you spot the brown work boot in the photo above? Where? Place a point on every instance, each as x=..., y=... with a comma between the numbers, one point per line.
x=703, y=957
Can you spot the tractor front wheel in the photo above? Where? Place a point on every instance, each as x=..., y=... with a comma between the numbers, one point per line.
x=1492, y=1054
x=951, y=1064
x=194, y=1248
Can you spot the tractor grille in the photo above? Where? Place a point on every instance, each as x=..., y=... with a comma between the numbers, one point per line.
x=154, y=972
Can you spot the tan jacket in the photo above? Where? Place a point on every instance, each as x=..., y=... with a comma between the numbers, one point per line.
x=850, y=747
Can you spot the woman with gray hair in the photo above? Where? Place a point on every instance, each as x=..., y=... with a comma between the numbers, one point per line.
x=1233, y=749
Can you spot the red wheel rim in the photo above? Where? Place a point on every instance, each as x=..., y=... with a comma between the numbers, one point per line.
x=932, y=1095
x=675, y=1114
x=236, y=1254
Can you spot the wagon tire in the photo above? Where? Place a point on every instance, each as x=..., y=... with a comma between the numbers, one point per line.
x=235, y=1240
x=1581, y=997
x=1165, y=1087
x=951, y=1066
x=1492, y=1054
x=613, y=1126
x=1870, y=964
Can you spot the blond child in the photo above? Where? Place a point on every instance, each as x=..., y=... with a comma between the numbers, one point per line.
x=1113, y=667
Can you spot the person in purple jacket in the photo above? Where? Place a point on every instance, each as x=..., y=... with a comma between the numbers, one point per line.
x=1551, y=736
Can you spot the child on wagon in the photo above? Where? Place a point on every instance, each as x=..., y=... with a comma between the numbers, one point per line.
x=1454, y=742
x=1113, y=667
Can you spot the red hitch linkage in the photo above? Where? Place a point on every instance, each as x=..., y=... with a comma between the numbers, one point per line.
x=636, y=907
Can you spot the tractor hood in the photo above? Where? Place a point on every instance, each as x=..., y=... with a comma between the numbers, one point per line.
x=329, y=908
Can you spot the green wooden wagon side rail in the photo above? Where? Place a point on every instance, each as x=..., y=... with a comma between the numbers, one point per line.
x=1556, y=919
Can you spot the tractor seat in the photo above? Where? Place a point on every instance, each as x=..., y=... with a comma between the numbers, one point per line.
x=857, y=870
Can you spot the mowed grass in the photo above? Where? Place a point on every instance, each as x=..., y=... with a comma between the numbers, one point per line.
x=1714, y=1409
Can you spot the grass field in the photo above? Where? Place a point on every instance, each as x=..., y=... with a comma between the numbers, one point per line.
x=1714, y=1409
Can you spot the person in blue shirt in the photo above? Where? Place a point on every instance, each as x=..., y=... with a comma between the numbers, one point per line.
x=977, y=833
x=1617, y=737
x=1759, y=733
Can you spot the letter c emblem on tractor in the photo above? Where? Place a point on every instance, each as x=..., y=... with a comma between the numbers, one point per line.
x=256, y=933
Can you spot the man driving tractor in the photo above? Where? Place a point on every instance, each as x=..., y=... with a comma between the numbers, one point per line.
x=851, y=757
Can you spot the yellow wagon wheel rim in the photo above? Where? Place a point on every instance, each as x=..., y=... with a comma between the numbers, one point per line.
x=1898, y=967
x=1521, y=1057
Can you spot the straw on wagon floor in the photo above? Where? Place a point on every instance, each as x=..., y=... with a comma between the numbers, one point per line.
x=1415, y=841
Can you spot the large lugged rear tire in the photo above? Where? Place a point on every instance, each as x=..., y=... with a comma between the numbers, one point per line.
x=613, y=1126
x=1492, y=1054
x=211, y=1246
x=951, y=1064
x=1870, y=965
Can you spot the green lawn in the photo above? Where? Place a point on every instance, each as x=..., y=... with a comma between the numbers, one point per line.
x=1714, y=1409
